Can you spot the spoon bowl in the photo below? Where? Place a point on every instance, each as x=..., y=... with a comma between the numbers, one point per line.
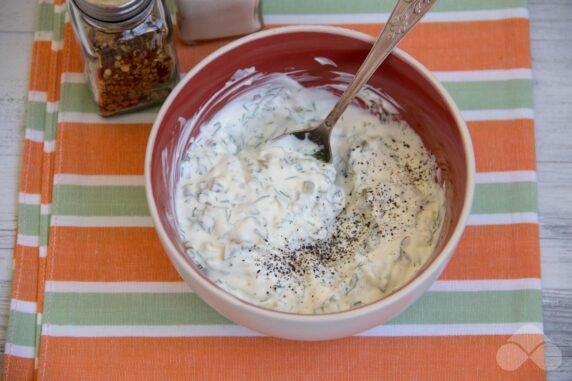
x=405, y=15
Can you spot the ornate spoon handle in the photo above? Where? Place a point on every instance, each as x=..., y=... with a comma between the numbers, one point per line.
x=404, y=17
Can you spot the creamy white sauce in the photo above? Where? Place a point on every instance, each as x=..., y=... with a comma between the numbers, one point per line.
x=272, y=224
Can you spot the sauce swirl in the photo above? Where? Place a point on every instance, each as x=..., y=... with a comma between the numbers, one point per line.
x=272, y=224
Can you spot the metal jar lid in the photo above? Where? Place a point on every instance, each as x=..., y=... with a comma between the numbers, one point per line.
x=111, y=11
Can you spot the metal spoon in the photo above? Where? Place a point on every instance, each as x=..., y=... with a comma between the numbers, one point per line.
x=404, y=16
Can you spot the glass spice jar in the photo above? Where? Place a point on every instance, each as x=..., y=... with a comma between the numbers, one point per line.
x=129, y=52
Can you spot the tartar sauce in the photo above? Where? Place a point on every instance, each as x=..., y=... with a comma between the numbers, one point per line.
x=274, y=225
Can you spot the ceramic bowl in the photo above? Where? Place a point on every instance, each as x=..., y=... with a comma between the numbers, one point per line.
x=423, y=102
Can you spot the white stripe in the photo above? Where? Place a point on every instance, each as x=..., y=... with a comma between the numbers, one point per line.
x=73, y=77
x=29, y=198
x=502, y=114
x=34, y=135
x=102, y=221
x=49, y=146
x=23, y=306
x=443, y=76
x=43, y=35
x=482, y=75
x=45, y=209
x=52, y=106
x=389, y=330
x=43, y=251
x=22, y=351
x=146, y=331
x=81, y=117
x=57, y=45
x=486, y=285
x=134, y=180
x=505, y=177
x=118, y=287
x=98, y=180
x=37, y=96
x=59, y=8
x=145, y=221
x=375, y=18
x=28, y=240
x=503, y=219
x=140, y=118
x=454, y=329
x=181, y=287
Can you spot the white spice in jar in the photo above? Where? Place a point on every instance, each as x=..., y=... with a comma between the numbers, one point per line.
x=207, y=20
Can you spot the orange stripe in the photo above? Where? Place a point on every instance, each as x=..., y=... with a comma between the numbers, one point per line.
x=56, y=64
x=101, y=148
x=496, y=252
x=499, y=146
x=440, y=46
x=74, y=59
x=56, y=67
x=100, y=254
x=252, y=359
x=502, y=44
x=506, y=145
x=39, y=75
x=42, y=261
x=48, y=174
x=25, y=273
x=17, y=369
x=31, y=179
x=189, y=56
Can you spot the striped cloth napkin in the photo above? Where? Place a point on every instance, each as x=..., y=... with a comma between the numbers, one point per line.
x=96, y=298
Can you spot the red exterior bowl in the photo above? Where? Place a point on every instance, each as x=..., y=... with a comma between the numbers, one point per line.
x=423, y=102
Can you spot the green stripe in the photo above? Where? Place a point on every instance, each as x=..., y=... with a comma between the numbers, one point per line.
x=271, y=7
x=45, y=18
x=171, y=7
x=100, y=201
x=505, y=198
x=119, y=309
x=36, y=114
x=480, y=95
x=44, y=229
x=59, y=19
x=474, y=307
x=488, y=95
x=28, y=219
x=77, y=97
x=174, y=309
x=23, y=328
x=74, y=200
x=38, y=338
x=51, y=121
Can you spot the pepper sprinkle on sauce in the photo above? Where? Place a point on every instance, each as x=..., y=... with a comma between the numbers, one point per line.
x=272, y=224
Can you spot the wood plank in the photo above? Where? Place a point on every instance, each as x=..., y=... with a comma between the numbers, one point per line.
x=18, y=16
x=551, y=59
x=13, y=91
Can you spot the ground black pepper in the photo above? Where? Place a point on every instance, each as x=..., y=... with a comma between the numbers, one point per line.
x=298, y=260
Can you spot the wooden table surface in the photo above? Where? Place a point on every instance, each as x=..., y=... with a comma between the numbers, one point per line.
x=551, y=36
